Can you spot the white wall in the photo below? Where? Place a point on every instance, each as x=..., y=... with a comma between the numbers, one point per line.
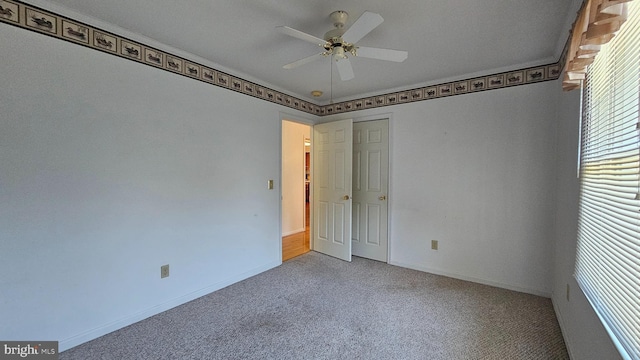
x=584, y=334
x=293, y=158
x=110, y=169
x=476, y=173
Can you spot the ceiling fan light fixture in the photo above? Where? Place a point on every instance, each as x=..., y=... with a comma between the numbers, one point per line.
x=338, y=53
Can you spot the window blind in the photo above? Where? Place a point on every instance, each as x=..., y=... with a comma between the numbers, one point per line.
x=608, y=251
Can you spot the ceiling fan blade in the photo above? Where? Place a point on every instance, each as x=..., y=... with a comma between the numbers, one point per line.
x=306, y=60
x=365, y=23
x=344, y=69
x=382, y=54
x=301, y=35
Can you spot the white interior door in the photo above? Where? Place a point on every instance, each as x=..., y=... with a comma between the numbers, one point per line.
x=332, y=165
x=370, y=189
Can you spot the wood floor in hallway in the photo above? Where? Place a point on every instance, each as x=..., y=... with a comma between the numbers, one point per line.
x=296, y=244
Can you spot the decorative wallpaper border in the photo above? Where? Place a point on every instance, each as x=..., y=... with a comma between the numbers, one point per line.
x=458, y=87
x=45, y=22
x=55, y=25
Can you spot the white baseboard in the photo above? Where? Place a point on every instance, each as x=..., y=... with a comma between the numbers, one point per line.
x=133, y=318
x=473, y=279
x=567, y=340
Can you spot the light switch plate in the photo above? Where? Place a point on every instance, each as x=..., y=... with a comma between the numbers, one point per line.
x=269, y=184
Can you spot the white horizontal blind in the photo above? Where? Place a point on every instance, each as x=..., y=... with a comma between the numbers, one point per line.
x=608, y=253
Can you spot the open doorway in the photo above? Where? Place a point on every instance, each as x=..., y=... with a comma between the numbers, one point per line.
x=296, y=182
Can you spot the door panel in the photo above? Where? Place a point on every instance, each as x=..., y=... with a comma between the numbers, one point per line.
x=370, y=187
x=356, y=170
x=374, y=181
x=373, y=221
x=338, y=223
x=339, y=171
x=355, y=224
x=322, y=214
x=332, y=165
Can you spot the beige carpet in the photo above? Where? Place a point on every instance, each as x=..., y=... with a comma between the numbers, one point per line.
x=318, y=307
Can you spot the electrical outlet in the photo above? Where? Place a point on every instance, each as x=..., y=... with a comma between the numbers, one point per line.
x=568, y=291
x=434, y=244
x=164, y=271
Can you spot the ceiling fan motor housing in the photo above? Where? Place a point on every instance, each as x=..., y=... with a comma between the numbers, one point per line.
x=339, y=18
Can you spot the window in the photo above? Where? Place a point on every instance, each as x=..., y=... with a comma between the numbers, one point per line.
x=608, y=252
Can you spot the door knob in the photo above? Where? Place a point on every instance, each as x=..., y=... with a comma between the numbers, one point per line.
x=382, y=197
x=346, y=197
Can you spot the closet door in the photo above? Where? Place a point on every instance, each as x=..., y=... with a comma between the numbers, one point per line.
x=332, y=166
x=370, y=189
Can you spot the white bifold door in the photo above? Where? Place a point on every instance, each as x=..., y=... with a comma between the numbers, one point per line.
x=332, y=156
x=350, y=184
x=370, y=189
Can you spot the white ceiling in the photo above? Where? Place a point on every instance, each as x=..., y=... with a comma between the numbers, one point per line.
x=452, y=39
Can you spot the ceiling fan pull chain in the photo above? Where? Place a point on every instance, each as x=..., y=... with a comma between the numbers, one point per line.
x=331, y=77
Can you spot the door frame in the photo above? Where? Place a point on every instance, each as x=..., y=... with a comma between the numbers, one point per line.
x=304, y=121
x=301, y=119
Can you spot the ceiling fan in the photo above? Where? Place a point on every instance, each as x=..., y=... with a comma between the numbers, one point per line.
x=339, y=42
